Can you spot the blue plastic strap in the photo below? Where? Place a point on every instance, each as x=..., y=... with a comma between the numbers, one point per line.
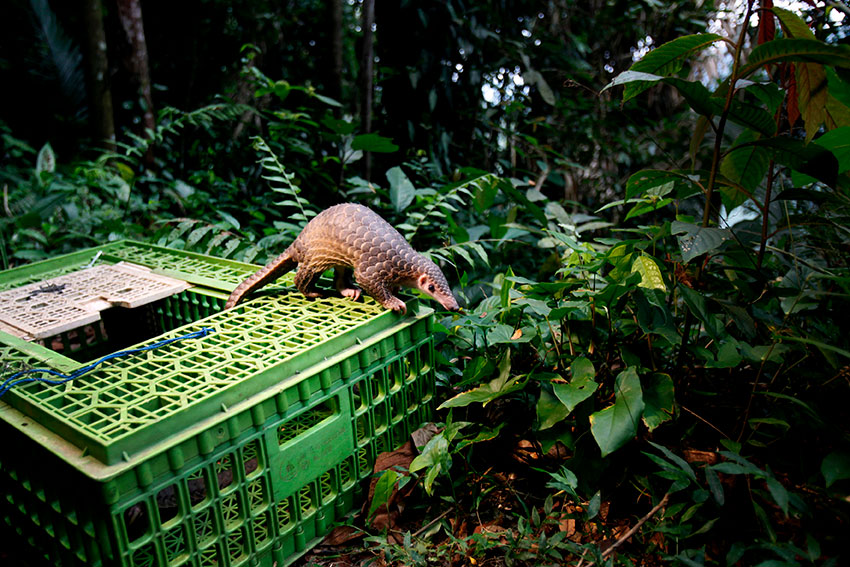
x=14, y=380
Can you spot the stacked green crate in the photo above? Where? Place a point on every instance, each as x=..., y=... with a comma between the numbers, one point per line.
x=241, y=447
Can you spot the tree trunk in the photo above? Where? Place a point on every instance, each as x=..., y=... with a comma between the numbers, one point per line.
x=97, y=69
x=130, y=14
x=366, y=79
x=335, y=86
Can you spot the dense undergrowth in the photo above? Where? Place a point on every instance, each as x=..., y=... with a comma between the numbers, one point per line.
x=687, y=366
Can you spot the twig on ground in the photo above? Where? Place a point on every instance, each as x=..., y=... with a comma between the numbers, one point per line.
x=633, y=530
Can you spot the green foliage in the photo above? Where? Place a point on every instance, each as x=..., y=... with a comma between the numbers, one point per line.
x=699, y=306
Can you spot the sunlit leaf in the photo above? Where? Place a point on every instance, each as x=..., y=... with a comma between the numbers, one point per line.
x=668, y=59
x=649, y=271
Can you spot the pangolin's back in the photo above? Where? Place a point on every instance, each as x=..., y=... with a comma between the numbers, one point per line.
x=353, y=235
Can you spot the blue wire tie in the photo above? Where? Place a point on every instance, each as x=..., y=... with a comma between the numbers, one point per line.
x=13, y=380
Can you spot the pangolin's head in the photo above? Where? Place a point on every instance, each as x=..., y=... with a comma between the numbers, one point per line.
x=431, y=281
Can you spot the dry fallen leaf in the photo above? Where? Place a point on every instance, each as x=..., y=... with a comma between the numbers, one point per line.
x=695, y=456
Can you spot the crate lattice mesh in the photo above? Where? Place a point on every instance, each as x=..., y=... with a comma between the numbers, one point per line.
x=129, y=393
x=177, y=261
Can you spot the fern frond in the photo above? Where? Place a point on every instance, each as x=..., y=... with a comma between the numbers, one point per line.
x=201, y=236
x=172, y=121
x=461, y=249
x=443, y=203
x=65, y=56
x=281, y=182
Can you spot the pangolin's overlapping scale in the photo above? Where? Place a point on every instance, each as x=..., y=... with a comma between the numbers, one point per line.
x=351, y=236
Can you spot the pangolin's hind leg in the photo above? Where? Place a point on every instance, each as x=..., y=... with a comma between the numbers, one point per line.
x=305, y=280
x=344, y=285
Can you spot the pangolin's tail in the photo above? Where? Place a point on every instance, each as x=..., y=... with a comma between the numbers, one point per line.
x=268, y=273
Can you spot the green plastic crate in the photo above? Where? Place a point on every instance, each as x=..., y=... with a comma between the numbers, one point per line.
x=239, y=448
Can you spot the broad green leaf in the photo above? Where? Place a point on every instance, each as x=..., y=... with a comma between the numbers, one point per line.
x=696, y=303
x=502, y=385
x=646, y=180
x=745, y=163
x=752, y=116
x=575, y=392
x=714, y=485
x=838, y=87
x=646, y=79
x=778, y=492
x=729, y=468
x=373, y=143
x=668, y=59
x=838, y=142
x=805, y=50
x=728, y=356
x=435, y=456
x=486, y=434
x=658, y=395
x=792, y=24
x=740, y=112
x=383, y=490
x=835, y=467
x=697, y=96
x=614, y=426
x=702, y=125
x=814, y=160
x=593, y=506
x=698, y=240
x=582, y=368
x=654, y=316
x=837, y=113
x=648, y=206
x=769, y=94
x=549, y=410
x=401, y=189
x=650, y=274
x=580, y=387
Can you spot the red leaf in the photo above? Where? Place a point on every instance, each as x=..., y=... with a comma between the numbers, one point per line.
x=791, y=100
x=767, y=23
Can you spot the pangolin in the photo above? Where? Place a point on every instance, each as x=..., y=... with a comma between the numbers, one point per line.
x=350, y=237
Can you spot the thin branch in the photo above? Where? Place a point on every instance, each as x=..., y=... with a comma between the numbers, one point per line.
x=625, y=537
x=721, y=124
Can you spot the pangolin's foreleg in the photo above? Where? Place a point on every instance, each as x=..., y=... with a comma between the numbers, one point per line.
x=344, y=284
x=381, y=292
